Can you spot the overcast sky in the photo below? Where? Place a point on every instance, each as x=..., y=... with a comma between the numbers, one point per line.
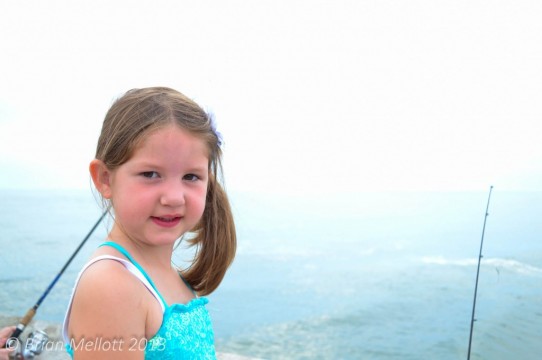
x=311, y=96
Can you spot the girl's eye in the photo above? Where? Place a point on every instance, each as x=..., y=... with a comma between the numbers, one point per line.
x=150, y=174
x=191, y=177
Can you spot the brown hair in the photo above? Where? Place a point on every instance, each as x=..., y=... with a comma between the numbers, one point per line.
x=135, y=115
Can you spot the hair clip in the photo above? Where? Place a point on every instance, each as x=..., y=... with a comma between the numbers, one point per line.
x=212, y=120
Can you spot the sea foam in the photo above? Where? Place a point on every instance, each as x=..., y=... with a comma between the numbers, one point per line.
x=506, y=264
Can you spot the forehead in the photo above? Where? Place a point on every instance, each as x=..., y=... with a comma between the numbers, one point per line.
x=171, y=142
x=171, y=135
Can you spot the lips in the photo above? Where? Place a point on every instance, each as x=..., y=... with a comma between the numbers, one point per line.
x=166, y=221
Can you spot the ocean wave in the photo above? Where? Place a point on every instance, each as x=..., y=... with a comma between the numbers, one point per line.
x=507, y=264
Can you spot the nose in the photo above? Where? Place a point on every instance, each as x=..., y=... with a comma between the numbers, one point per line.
x=172, y=194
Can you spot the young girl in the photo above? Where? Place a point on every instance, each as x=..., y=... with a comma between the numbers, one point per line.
x=157, y=164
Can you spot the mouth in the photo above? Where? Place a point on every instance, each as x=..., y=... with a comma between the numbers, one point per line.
x=166, y=221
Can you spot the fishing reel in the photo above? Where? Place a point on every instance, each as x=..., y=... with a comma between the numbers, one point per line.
x=33, y=346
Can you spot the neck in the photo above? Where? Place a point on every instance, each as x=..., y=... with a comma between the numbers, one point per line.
x=155, y=256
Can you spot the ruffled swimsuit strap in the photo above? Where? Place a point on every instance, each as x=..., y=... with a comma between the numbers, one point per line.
x=123, y=251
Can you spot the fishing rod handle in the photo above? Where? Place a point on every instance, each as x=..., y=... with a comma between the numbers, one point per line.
x=22, y=324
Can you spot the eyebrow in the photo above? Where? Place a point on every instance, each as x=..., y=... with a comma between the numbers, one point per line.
x=153, y=165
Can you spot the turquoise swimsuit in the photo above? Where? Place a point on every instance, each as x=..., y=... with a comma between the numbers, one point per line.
x=186, y=331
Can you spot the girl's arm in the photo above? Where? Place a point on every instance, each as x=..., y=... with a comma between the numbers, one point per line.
x=108, y=316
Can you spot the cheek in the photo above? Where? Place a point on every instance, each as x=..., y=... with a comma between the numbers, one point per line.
x=129, y=200
x=126, y=206
x=198, y=202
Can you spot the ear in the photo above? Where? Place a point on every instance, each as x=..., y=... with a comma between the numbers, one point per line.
x=101, y=177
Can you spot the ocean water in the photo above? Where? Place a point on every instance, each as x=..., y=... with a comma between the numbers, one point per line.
x=354, y=276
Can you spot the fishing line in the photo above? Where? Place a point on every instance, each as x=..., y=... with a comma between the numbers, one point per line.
x=32, y=311
x=478, y=274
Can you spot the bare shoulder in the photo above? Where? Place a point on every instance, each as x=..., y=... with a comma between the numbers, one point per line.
x=108, y=282
x=109, y=305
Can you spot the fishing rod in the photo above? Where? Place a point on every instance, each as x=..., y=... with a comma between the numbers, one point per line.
x=478, y=274
x=32, y=311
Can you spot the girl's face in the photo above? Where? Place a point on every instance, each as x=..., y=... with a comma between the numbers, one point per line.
x=159, y=193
